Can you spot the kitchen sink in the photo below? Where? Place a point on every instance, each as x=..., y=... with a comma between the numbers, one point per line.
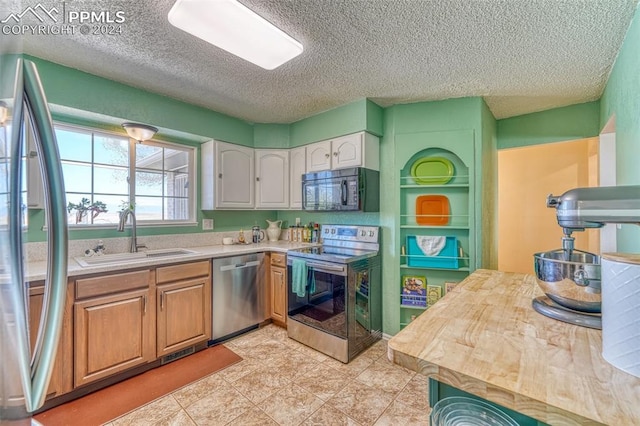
x=107, y=259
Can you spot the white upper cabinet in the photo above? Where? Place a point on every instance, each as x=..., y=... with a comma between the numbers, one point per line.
x=272, y=178
x=356, y=150
x=238, y=177
x=319, y=156
x=297, y=167
x=227, y=176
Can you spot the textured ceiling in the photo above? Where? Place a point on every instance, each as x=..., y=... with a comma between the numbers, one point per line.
x=521, y=56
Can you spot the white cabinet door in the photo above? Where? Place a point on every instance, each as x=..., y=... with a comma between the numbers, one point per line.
x=346, y=151
x=297, y=167
x=235, y=178
x=272, y=178
x=319, y=156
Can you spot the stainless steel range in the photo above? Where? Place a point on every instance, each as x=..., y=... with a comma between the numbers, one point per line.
x=335, y=291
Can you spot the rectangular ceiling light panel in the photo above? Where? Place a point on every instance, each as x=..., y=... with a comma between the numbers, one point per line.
x=235, y=28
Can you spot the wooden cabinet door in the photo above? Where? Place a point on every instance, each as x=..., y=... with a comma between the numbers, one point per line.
x=347, y=151
x=297, y=167
x=319, y=156
x=279, y=294
x=36, y=299
x=183, y=314
x=272, y=178
x=235, y=176
x=112, y=333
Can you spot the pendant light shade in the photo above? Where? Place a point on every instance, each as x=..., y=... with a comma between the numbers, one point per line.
x=139, y=132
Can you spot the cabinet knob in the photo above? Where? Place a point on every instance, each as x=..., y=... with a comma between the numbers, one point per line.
x=258, y=179
x=220, y=175
x=326, y=156
x=335, y=154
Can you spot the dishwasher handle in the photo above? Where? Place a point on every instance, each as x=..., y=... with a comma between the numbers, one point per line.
x=240, y=265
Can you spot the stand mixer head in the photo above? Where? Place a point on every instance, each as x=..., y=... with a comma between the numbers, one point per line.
x=571, y=278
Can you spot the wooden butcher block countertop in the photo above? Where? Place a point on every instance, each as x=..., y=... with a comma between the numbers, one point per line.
x=485, y=338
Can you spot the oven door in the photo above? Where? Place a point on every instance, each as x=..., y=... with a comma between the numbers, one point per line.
x=323, y=306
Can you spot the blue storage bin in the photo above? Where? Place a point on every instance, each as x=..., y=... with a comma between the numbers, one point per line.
x=446, y=259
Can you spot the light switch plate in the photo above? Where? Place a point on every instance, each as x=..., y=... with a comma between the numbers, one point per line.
x=207, y=224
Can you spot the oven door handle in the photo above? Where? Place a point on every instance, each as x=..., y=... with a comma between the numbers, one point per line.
x=325, y=268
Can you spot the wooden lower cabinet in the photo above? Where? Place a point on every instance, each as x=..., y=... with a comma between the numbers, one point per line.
x=183, y=314
x=183, y=298
x=112, y=332
x=36, y=299
x=278, y=280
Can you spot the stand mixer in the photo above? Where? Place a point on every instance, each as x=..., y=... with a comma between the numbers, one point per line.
x=570, y=278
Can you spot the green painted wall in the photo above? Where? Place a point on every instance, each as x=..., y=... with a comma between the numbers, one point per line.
x=487, y=227
x=351, y=118
x=271, y=135
x=621, y=99
x=559, y=124
x=85, y=92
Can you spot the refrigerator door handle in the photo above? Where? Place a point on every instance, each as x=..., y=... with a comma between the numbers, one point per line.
x=56, y=280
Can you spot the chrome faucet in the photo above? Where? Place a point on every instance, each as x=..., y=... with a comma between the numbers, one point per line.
x=124, y=214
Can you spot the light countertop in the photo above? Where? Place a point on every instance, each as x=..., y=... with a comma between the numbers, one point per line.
x=485, y=338
x=37, y=270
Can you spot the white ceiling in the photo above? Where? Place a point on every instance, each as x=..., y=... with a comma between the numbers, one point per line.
x=521, y=56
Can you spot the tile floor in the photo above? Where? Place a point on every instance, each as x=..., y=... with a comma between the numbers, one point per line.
x=282, y=382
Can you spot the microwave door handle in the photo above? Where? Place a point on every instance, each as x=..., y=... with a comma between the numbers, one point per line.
x=343, y=191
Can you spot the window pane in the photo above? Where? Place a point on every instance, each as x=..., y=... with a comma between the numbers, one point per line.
x=149, y=208
x=114, y=204
x=175, y=159
x=111, y=150
x=177, y=184
x=77, y=177
x=148, y=183
x=74, y=145
x=176, y=208
x=77, y=215
x=111, y=180
x=148, y=157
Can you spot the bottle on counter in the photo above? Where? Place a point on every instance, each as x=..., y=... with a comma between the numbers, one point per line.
x=241, y=237
x=315, y=235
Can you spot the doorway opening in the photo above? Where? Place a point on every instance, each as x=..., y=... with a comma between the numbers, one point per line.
x=526, y=176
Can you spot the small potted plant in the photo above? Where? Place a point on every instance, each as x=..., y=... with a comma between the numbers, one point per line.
x=84, y=207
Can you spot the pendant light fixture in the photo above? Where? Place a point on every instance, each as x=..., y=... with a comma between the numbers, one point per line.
x=139, y=132
x=232, y=26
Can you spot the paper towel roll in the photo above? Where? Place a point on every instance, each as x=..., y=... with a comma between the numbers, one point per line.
x=621, y=314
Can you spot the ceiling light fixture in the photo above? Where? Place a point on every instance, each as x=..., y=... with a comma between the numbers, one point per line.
x=235, y=28
x=139, y=132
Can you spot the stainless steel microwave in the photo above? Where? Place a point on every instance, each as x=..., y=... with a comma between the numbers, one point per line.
x=353, y=189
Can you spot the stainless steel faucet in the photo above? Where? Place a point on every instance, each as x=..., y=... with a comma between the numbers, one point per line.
x=124, y=214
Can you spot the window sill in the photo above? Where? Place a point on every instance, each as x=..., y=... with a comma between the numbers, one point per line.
x=138, y=225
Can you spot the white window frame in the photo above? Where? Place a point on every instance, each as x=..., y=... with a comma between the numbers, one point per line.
x=192, y=174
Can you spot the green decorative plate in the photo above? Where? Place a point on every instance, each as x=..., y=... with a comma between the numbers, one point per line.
x=432, y=171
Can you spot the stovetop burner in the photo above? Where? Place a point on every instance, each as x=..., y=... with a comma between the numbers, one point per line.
x=342, y=244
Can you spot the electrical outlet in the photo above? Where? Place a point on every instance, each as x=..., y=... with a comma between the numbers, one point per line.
x=297, y=221
x=207, y=224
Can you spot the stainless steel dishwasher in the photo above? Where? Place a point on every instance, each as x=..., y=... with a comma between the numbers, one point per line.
x=240, y=295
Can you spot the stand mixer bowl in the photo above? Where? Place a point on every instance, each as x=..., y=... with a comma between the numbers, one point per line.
x=570, y=278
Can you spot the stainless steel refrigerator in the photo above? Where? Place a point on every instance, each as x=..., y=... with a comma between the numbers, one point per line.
x=25, y=371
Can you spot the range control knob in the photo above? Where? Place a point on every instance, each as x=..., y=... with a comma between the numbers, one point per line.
x=371, y=233
x=363, y=233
